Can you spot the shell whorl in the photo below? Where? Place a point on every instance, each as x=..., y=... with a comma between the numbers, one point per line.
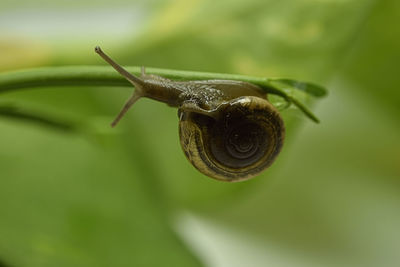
x=239, y=143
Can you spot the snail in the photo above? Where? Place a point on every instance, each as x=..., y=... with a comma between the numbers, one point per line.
x=228, y=129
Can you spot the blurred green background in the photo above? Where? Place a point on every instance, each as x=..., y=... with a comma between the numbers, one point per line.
x=128, y=197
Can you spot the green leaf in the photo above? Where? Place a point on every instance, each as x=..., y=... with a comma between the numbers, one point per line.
x=309, y=88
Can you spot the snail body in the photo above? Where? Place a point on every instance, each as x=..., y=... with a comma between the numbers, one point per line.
x=228, y=129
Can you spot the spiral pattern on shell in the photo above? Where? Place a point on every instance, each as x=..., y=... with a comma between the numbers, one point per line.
x=242, y=141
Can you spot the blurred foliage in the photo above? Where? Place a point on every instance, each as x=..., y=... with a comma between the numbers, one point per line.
x=129, y=197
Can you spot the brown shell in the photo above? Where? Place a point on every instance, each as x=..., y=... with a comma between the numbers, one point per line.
x=238, y=144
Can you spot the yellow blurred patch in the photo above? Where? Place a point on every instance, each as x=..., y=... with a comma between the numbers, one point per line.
x=244, y=64
x=17, y=53
x=173, y=17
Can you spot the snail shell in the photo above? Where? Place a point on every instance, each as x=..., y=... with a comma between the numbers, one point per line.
x=228, y=129
x=237, y=145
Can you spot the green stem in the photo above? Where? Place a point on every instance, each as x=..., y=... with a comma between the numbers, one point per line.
x=106, y=76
